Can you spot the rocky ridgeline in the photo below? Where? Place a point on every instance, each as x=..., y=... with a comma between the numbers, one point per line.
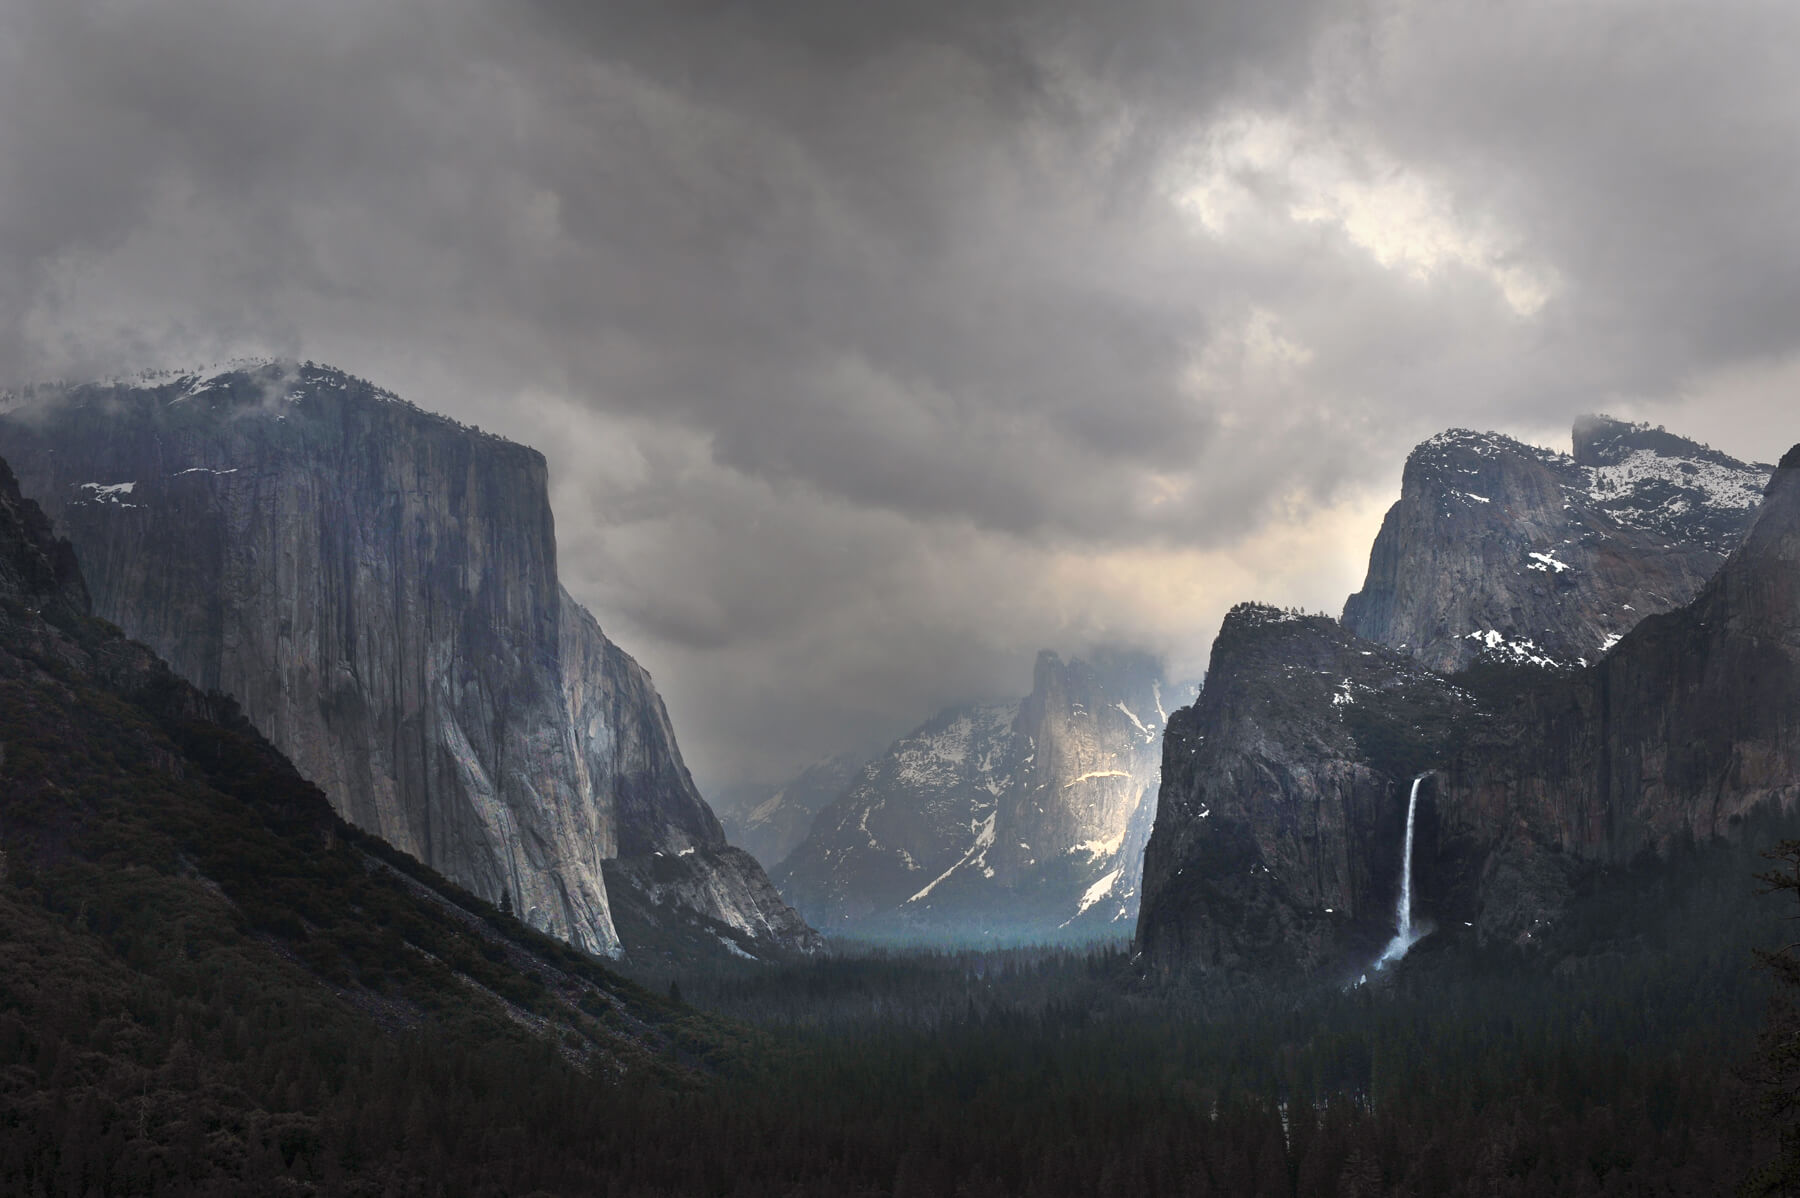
x=377, y=587
x=1503, y=548
x=1674, y=738
x=1013, y=820
x=1276, y=848
x=769, y=822
x=912, y=813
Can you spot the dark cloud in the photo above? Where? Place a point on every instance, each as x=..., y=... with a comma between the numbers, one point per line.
x=1647, y=150
x=875, y=345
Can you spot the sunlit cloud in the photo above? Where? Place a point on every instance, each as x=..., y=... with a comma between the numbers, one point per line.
x=1248, y=167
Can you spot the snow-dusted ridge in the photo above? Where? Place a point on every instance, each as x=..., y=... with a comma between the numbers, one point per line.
x=278, y=381
x=1554, y=552
x=977, y=854
x=996, y=819
x=1520, y=650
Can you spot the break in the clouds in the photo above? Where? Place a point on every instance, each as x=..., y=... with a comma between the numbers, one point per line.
x=875, y=346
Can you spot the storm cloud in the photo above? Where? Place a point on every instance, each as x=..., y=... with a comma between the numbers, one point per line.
x=874, y=347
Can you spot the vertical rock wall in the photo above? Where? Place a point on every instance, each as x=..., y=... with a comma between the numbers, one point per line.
x=377, y=588
x=1284, y=785
x=1500, y=547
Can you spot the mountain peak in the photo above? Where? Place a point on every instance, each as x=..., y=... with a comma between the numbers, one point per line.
x=1253, y=614
x=1495, y=541
x=1461, y=466
x=271, y=388
x=1601, y=440
x=1775, y=539
x=1023, y=820
x=1457, y=437
x=1108, y=667
x=1463, y=440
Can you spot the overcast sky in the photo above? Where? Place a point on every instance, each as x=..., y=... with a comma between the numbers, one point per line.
x=875, y=346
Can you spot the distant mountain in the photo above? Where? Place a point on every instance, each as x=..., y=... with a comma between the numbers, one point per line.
x=376, y=586
x=1503, y=548
x=1278, y=843
x=1018, y=820
x=769, y=822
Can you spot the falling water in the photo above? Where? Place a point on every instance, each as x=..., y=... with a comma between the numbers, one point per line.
x=1405, y=935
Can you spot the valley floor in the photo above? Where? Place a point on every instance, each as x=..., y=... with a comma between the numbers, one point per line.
x=1631, y=1067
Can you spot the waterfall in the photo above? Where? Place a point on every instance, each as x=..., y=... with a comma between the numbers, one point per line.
x=1405, y=935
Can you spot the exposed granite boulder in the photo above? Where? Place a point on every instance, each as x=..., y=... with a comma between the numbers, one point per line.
x=1500, y=547
x=377, y=587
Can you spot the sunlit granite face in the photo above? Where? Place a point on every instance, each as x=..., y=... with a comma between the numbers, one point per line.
x=1021, y=820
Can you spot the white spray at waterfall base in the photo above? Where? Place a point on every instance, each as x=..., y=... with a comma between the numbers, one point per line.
x=1406, y=933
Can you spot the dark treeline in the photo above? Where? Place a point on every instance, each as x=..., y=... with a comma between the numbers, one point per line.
x=139, y=1058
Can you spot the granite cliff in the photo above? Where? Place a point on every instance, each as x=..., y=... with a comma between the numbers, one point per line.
x=1285, y=785
x=1015, y=820
x=376, y=586
x=1278, y=831
x=160, y=858
x=1500, y=547
x=1680, y=732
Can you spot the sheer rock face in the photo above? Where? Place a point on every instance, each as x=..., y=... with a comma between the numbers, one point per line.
x=1277, y=839
x=1503, y=547
x=377, y=587
x=1282, y=813
x=769, y=822
x=1015, y=819
x=1688, y=724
